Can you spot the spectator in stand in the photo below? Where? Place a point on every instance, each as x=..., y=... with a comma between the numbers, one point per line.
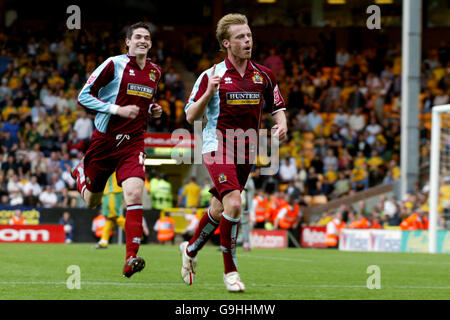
x=288, y=170
x=314, y=119
x=75, y=144
x=14, y=188
x=83, y=127
x=330, y=162
x=10, y=164
x=341, y=118
x=49, y=102
x=313, y=184
x=274, y=62
x=12, y=126
x=31, y=192
x=24, y=169
x=58, y=185
x=360, y=177
x=9, y=109
x=61, y=102
x=341, y=187
x=24, y=111
x=357, y=121
x=170, y=77
x=376, y=168
x=48, y=198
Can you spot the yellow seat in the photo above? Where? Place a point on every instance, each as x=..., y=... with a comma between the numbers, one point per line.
x=307, y=199
x=319, y=199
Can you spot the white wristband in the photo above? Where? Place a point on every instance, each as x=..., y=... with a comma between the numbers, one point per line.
x=113, y=108
x=150, y=108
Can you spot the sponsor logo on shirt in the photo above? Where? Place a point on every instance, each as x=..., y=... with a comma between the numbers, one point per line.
x=140, y=90
x=91, y=78
x=246, y=98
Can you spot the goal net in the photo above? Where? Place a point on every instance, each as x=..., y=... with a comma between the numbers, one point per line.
x=439, y=214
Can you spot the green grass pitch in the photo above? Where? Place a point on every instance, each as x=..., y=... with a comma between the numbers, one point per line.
x=35, y=271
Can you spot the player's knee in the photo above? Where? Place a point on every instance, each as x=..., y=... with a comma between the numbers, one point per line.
x=134, y=195
x=234, y=206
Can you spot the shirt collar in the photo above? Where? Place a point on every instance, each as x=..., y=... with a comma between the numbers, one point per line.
x=230, y=66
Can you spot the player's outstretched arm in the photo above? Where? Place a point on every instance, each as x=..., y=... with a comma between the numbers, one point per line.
x=197, y=108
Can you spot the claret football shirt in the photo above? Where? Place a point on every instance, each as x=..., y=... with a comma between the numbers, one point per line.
x=238, y=103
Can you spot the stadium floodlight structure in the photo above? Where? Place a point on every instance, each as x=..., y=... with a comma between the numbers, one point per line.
x=439, y=166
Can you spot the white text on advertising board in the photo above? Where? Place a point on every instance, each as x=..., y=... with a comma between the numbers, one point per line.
x=10, y=235
x=312, y=237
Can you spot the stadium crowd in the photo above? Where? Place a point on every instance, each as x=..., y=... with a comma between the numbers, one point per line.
x=343, y=110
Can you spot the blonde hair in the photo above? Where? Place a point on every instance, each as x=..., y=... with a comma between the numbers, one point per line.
x=224, y=24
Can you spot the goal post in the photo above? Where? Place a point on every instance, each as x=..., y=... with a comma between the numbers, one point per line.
x=437, y=124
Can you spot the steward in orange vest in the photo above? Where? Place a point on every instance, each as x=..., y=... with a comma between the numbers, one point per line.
x=288, y=215
x=414, y=222
x=165, y=227
x=274, y=206
x=98, y=224
x=17, y=219
x=334, y=229
x=360, y=224
x=260, y=209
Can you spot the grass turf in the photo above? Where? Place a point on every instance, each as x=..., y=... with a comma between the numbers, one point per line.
x=35, y=271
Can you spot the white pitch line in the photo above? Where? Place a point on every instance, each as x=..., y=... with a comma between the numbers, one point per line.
x=267, y=285
x=264, y=257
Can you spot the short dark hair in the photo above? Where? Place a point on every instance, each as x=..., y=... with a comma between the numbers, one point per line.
x=135, y=26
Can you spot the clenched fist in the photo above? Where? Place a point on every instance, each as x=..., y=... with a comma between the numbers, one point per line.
x=156, y=110
x=130, y=111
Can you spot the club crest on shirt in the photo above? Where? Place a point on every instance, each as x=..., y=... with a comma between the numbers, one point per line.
x=152, y=75
x=88, y=180
x=257, y=78
x=222, y=178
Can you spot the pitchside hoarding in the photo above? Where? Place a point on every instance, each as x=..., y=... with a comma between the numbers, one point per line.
x=370, y=240
x=417, y=241
x=32, y=215
x=268, y=239
x=32, y=234
x=313, y=237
